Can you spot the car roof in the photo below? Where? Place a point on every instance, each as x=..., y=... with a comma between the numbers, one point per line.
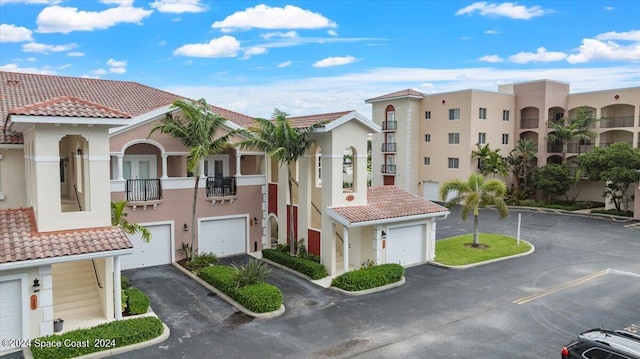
x=618, y=339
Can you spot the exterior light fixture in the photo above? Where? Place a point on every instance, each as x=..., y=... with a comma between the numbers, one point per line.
x=185, y=227
x=36, y=285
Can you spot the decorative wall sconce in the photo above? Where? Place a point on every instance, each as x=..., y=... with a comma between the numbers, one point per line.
x=255, y=220
x=617, y=97
x=384, y=234
x=36, y=285
x=79, y=151
x=185, y=227
x=444, y=101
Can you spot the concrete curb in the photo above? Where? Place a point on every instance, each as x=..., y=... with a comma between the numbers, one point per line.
x=110, y=352
x=228, y=299
x=577, y=213
x=466, y=266
x=372, y=290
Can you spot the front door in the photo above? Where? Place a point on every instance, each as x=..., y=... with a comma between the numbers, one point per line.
x=138, y=168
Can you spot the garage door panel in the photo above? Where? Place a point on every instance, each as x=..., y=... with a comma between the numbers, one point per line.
x=152, y=253
x=406, y=245
x=10, y=311
x=224, y=236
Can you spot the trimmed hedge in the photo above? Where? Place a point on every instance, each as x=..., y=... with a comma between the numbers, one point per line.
x=367, y=278
x=307, y=267
x=102, y=337
x=258, y=298
x=137, y=302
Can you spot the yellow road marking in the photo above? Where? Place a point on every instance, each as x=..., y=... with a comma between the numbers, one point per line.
x=552, y=290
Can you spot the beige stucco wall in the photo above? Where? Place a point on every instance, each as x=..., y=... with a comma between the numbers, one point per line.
x=12, y=180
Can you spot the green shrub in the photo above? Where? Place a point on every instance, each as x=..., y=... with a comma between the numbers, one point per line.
x=305, y=266
x=201, y=260
x=259, y=298
x=312, y=257
x=613, y=212
x=123, y=300
x=138, y=302
x=125, y=283
x=284, y=248
x=102, y=337
x=369, y=277
x=253, y=272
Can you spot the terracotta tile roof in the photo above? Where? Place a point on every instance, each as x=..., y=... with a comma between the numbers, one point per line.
x=21, y=241
x=238, y=118
x=306, y=121
x=68, y=107
x=397, y=94
x=386, y=202
x=10, y=138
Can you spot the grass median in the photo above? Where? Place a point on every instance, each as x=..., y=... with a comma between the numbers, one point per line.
x=458, y=251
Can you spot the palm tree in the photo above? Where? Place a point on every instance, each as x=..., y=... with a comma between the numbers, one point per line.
x=489, y=161
x=119, y=219
x=284, y=143
x=520, y=159
x=577, y=128
x=482, y=154
x=473, y=195
x=196, y=129
x=585, y=121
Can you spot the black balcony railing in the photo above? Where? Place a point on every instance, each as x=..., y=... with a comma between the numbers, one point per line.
x=389, y=125
x=529, y=123
x=221, y=186
x=389, y=169
x=609, y=122
x=388, y=147
x=140, y=190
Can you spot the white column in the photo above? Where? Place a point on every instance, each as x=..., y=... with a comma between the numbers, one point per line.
x=432, y=241
x=201, y=170
x=345, y=248
x=238, y=157
x=377, y=244
x=164, y=165
x=120, y=177
x=117, y=298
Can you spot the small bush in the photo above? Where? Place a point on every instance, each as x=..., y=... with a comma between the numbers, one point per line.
x=369, y=277
x=253, y=272
x=109, y=335
x=201, y=260
x=123, y=300
x=305, y=266
x=613, y=212
x=125, y=283
x=312, y=257
x=284, y=248
x=259, y=298
x=138, y=302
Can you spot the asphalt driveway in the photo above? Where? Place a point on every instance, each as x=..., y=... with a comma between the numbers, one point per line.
x=583, y=274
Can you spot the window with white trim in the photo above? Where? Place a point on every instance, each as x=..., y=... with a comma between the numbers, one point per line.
x=427, y=161
x=505, y=138
x=482, y=113
x=482, y=138
x=454, y=162
x=427, y=137
x=427, y=115
x=505, y=115
x=454, y=138
x=454, y=114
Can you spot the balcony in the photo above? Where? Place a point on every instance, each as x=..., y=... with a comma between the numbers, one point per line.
x=388, y=169
x=221, y=186
x=389, y=125
x=529, y=123
x=610, y=122
x=388, y=147
x=142, y=190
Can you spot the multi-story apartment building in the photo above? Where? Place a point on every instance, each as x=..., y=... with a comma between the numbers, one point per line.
x=427, y=139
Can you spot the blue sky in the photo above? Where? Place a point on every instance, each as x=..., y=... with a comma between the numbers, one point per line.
x=307, y=57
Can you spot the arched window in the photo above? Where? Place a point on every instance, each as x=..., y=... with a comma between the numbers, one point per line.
x=349, y=170
x=390, y=113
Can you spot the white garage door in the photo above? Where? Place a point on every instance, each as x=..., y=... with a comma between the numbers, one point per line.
x=406, y=245
x=156, y=252
x=10, y=312
x=431, y=191
x=223, y=237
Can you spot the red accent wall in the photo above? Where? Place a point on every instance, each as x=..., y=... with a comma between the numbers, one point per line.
x=389, y=180
x=295, y=223
x=314, y=241
x=273, y=198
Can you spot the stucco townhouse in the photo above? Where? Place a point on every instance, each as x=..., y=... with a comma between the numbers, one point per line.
x=427, y=139
x=70, y=146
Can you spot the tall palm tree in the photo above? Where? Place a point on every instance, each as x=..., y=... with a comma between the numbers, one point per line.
x=520, y=159
x=577, y=128
x=195, y=127
x=482, y=154
x=585, y=121
x=284, y=143
x=474, y=194
x=119, y=219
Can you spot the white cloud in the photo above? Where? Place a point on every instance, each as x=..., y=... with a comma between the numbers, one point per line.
x=178, y=6
x=12, y=33
x=256, y=50
x=506, y=9
x=75, y=54
x=117, y=70
x=30, y=59
x=118, y=2
x=286, y=35
x=44, y=48
x=47, y=2
x=335, y=61
x=266, y=17
x=491, y=58
x=625, y=36
x=284, y=64
x=99, y=72
x=609, y=8
x=332, y=33
x=225, y=46
x=592, y=49
x=491, y=32
x=29, y=70
x=541, y=55
x=64, y=66
x=115, y=63
x=68, y=19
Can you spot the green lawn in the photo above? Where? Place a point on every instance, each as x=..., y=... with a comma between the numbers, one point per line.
x=453, y=251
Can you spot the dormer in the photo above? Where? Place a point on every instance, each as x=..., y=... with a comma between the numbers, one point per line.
x=66, y=149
